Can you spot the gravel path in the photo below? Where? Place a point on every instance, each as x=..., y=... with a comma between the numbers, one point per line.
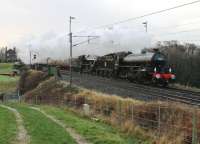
x=22, y=135
x=78, y=138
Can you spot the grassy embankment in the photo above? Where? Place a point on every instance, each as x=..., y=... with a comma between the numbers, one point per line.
x=93, y=131
x=8, y=126
x=172, y=121
x=5, y=68
x=41, y=129
x=7, y=84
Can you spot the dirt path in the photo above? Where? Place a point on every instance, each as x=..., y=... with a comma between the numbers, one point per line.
x=22, y=136
x=78, y=138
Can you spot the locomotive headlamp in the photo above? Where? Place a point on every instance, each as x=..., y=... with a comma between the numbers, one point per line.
x=173, y=76
x=170, y=70
x=155, y=70
x=158, y=76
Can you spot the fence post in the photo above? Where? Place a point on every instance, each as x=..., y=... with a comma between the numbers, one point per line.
x=194, y=127
x=159, y=119
x=119, y=112
x=36, y=100
x=85, y=100
x=19, y=97
x=132, y=112
x=75, y=99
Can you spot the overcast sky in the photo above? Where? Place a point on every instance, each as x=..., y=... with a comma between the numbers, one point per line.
x=40, y=22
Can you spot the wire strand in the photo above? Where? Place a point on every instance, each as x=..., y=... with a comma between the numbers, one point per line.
x=145, y=15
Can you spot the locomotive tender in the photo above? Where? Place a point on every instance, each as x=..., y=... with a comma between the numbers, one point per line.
x=147, y=67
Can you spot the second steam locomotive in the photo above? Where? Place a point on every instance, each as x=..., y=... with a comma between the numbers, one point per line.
x=149, y=67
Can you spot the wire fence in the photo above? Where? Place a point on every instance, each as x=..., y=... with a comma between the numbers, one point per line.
x=176, y=122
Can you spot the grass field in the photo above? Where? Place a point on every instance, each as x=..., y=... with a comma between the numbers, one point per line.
x=7, y=84
x=95, y=132
x=41, y=129
x=6, y=67
x=8, y=126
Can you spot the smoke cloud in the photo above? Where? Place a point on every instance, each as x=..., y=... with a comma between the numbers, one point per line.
x=56, y=46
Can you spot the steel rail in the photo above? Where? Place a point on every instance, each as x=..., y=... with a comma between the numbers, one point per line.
x=153, y=93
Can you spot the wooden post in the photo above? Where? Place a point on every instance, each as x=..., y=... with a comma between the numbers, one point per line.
x=119, y=112
x=194, y=127
x=159, y=120
x=132, y=108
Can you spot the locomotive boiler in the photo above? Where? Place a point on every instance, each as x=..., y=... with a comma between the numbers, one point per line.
x=147, y=67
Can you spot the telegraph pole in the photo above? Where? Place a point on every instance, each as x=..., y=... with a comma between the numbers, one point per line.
x=145, y=25
x=70, y=41
x=30, y=55
x=89, y=38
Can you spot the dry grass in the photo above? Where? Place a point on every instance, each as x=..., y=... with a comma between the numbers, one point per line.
x=133, y=117
x=30, y=79
x=57, y=62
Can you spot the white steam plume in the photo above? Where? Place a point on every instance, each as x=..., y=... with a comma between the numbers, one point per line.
x=56, y=46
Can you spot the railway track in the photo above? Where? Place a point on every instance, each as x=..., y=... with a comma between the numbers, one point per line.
x=183, y=96
x=138, y=91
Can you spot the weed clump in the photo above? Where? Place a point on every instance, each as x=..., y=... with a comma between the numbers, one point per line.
x=30, y=79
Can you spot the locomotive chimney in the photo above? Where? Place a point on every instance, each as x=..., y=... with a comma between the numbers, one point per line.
x=156, y=49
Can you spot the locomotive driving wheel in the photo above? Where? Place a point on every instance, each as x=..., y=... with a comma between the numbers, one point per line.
x=154, y=81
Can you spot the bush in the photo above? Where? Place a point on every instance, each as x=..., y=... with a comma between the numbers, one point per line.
x=30, y=79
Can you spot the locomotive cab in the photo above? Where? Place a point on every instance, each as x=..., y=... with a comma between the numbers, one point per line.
x=86, y=63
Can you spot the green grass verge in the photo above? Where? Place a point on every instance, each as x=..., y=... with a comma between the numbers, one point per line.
x=8, y=84
x=8, y=126
x=41, y=129
x=95, y=132
x=8, y=79
x=6, y=67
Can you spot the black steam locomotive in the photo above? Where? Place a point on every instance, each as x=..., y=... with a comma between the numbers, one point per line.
x=147, y=67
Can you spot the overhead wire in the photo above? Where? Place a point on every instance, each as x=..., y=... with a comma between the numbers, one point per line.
x=179, y=25
x=178, y=32
x=145, y=15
